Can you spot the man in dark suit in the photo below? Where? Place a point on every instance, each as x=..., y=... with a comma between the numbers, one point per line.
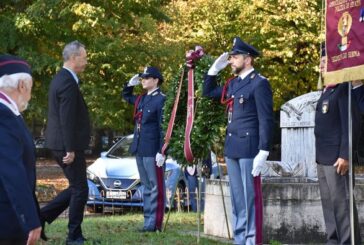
x=68, y=135
x=249, y=101
x=332, y=155
x=358, y=93
x=148, y=142
x=19, y=211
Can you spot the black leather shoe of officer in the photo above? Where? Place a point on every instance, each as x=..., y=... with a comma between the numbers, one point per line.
x=145, y=230
x=78, y=241
x=42, y=233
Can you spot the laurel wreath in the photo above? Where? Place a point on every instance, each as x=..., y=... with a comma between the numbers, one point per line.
x=209, y=121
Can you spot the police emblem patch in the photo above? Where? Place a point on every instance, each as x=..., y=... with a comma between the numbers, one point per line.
x=325, y=106
x=241, y=100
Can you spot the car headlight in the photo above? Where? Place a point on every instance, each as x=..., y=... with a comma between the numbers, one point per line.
x=91, y=176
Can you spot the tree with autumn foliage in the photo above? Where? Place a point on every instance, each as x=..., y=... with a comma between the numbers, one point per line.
x=287, y=33
x=123, y=36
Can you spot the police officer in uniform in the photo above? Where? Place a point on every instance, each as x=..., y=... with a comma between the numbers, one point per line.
x=248, y=97
x=332, y=154
x=148, y=142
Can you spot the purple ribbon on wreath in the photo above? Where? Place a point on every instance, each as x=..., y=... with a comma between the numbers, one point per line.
x=193, y=55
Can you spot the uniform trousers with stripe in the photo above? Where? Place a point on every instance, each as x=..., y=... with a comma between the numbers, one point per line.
x=152, y=178
x=246, y=200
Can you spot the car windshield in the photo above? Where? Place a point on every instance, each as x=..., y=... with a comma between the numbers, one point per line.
x=121, y=148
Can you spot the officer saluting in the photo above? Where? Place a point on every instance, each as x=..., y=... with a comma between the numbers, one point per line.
x=248, y=97
x=148, y=142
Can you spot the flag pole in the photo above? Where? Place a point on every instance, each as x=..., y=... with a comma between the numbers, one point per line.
x=199, y=173
x=351, y=179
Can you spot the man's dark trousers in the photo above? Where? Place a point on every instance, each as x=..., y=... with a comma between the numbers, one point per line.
x=75, y=196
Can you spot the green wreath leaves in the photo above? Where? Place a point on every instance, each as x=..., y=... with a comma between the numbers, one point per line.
x=209, y=120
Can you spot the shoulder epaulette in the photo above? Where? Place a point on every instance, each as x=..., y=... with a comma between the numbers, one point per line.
x=263, y=77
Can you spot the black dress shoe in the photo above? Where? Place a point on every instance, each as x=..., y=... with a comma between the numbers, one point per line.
x=42, y=233
x=141, y=230
x=145, y=230
x=78, y=241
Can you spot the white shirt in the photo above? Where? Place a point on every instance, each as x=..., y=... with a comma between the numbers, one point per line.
x=245, y=73
x=73, y=73
x=12, y=105
x=150, y=92
x=357, y=86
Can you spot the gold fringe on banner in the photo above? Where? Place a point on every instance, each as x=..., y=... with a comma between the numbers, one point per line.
x=319, y=83
x=344, y=75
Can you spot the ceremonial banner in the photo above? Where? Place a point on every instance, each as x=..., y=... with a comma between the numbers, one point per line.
x=344, y=41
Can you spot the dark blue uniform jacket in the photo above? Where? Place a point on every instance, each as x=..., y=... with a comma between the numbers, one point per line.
x=251, y=126
x=18, y=205
x=359, y=96
x=331, y=125
x=149, y=140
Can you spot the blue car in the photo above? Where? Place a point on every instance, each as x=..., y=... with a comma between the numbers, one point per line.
x=113, y=179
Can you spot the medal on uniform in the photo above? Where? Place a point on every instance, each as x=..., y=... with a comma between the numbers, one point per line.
x=230, y=116
x=230, y=109
x=325, y=107
x=241, y=100
x=139, y=120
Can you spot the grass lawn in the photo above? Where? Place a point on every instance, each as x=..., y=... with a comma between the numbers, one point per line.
x=122, y=229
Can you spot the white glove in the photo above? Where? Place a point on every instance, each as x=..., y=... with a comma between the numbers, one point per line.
x=134, y=80
x=219, y=64
x=259, y=162
x=160, y=159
